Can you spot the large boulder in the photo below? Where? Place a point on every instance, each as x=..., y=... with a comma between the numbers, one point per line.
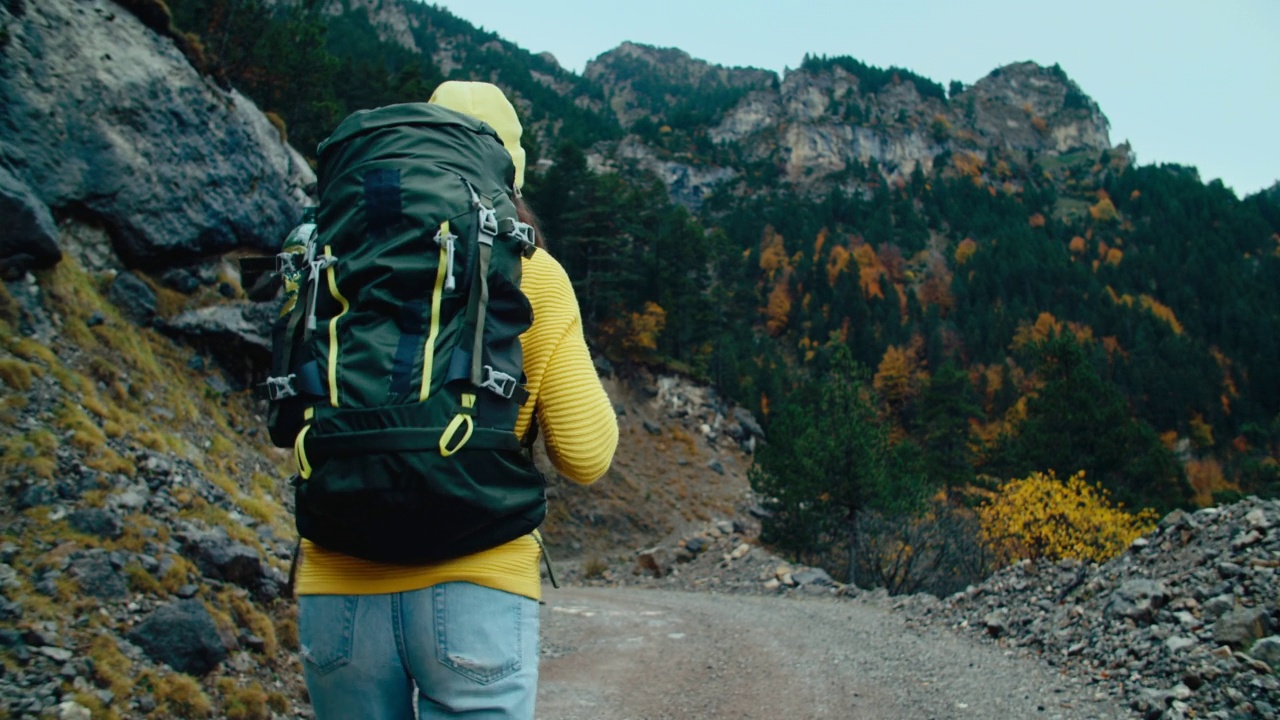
x=182, y=635
x=103, y=119
x=237, y=335
x=30, y=239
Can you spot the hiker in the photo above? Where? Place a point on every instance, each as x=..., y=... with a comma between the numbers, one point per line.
x=464, y=631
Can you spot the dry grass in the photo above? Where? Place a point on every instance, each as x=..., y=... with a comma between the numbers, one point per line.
x=16, y=374
x=177, y=696
x=248, y=702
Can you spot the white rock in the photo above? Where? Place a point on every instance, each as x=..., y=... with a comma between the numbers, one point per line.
x=55, y=653
x=72, y=710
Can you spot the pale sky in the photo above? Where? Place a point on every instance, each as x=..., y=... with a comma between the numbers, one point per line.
x=1196, y=82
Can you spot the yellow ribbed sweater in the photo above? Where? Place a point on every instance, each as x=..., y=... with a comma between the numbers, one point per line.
x=577, y=422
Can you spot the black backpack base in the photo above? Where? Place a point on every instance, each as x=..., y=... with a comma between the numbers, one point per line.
x=415, y=521
x=375, y=484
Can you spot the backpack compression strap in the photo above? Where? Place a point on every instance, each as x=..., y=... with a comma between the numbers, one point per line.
x=485, y=376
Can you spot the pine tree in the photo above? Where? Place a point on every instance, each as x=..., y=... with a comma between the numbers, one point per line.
x=827, y=462
x=946, y=409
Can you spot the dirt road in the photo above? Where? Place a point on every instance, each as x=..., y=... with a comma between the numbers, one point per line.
x=634, y=654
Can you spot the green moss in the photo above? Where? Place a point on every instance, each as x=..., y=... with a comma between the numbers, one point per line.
x=263, y=482
x=278, y=702
x=135, y=537
x=263, y=510
x=85, y=432
x=10, y=407
x=94, y=498
x=151, y=440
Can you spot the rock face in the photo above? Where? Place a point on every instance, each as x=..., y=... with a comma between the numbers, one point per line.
x=687, y=183
x=31, y=239
x=644, y=82
x=388, y=17
x=818, y=122
x=1025, y=107
x=102, y=119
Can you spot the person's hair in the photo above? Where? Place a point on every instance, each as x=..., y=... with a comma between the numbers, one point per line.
x=525, y=214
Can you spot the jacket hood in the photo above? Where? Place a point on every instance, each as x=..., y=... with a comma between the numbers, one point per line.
x=486, y=102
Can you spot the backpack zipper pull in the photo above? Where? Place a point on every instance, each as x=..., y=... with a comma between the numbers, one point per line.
x=318, y=266
x=446, y=239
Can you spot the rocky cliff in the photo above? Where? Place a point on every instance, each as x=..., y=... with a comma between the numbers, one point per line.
x=816, y=122
x=641, y=81
x=103, y=120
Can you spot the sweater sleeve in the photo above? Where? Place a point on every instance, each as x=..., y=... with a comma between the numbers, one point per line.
x=575, y=415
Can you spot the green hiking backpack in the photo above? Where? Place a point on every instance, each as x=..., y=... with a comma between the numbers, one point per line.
x=397, y=372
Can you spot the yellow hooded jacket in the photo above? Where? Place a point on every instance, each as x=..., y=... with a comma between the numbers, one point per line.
x=575, y=416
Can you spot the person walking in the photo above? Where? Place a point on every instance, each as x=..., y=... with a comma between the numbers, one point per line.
x=463, y=633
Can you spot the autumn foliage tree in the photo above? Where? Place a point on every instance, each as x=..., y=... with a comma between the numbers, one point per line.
x=1040, y=517
x=634, y=336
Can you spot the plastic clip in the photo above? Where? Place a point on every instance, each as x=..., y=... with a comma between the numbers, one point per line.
x=488, y=225
x=279, y=388
x=498, y=381
x=287, y=263
x=526, y=236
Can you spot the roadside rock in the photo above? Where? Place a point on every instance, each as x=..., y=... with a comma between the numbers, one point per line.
x=1178, y=625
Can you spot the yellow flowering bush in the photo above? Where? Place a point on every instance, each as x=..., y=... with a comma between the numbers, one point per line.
x=1040, y=516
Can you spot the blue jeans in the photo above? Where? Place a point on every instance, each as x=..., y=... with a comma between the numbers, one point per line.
x=471, y=651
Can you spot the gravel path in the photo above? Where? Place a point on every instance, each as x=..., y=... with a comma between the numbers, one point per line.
x=637, y=654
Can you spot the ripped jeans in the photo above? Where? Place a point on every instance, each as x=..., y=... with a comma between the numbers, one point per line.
x=471, y=652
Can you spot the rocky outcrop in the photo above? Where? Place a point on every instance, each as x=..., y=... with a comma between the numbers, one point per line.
x=103, y=120
x=389, y=18
x=1025, y=107
x=687, y=183
x=819, y=122
x=31, y=238
x=647, y=82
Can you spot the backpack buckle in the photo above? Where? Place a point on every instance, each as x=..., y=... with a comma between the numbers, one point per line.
x=526, y=236
x=498, y=381
x=286, y=263
x=279, y=388
x=488, y=225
